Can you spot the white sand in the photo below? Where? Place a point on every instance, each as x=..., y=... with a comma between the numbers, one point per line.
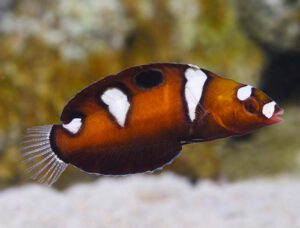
x=154, y=201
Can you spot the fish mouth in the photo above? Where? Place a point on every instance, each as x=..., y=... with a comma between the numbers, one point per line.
x=277, y=116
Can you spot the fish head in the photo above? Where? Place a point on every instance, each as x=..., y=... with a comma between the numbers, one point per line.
x=254, y=109
x=239, y=109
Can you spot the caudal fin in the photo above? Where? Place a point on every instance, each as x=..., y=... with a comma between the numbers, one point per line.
x=43, y=164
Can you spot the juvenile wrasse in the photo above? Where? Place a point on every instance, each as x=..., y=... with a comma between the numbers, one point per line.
x=138, y=120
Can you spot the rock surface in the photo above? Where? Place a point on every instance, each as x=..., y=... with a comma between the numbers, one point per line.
x=274, y=23
x=74, y=27
x=155, y=201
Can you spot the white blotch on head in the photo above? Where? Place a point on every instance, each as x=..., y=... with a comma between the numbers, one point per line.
x=118, y=105
x=244, y=92
x=74, y=126
x=193, y=89
x=268, y=109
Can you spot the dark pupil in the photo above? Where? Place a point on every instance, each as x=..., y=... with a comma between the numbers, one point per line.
x=250, y=108
x=149, y=78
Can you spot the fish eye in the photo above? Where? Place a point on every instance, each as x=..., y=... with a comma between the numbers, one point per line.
x=251, y=106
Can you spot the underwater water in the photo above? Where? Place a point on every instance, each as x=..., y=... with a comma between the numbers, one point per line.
x=50, y=50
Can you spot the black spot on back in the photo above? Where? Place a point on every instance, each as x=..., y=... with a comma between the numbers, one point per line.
x=149, y=78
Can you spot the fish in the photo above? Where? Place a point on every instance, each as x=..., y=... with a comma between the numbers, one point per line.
x=137, y=121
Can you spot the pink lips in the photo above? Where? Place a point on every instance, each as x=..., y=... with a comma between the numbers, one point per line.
x=277, y=116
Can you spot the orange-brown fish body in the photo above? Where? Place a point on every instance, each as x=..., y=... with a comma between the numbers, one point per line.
x=154, y=124
x=138, y=120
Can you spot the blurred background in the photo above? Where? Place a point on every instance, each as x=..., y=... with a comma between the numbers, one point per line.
x=51, y=49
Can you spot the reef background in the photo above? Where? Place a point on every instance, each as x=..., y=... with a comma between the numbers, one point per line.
x=49, y=50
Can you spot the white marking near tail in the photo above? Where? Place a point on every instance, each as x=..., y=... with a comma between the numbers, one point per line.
x=244, y=92
x=196, y=79
x=44, y=165
x=269, y=109
x=118, y=105
x=74, y=126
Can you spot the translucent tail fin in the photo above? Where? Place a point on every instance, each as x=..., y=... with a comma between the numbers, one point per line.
x=43, y=163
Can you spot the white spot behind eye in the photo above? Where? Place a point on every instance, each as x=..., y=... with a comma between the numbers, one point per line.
x=244, y=92
x=117, y=103
x=74, y=126
x=193, y=89
x=268, y=109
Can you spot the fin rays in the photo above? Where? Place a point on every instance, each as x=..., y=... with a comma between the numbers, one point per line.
x=35, y=145
x=39, y=149
x=43, y=164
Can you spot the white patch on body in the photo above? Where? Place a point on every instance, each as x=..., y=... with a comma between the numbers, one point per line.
x=193, y=66
x=196, y=79
x=74, y=126
x=268, y=109
x=118, y=105
x=244, y=92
